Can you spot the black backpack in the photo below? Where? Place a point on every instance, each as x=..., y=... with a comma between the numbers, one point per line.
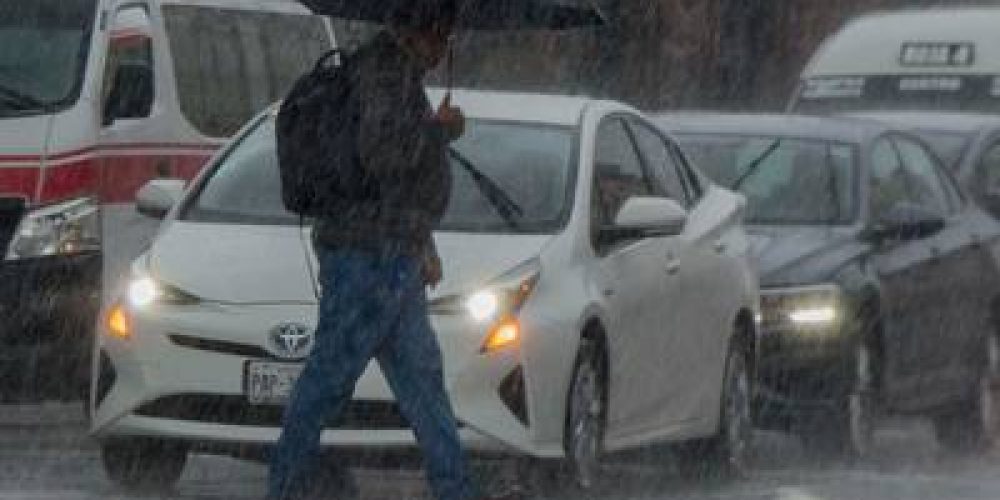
x=317, y=134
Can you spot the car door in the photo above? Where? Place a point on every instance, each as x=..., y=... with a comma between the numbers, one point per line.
x=914, y=273
x=906, y=273
x=966, y=284
x=693, y=349
x=637, y=284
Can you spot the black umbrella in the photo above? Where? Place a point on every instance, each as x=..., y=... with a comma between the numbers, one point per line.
x=474, y=14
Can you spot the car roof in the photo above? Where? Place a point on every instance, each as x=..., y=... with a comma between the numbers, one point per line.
x=871, y=44
x=965, y=123
x=523, y=107
x=842, y=129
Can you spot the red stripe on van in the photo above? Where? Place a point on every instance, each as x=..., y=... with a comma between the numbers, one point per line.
x=116, y=178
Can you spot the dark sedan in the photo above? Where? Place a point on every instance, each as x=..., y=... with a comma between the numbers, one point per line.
x=969, y=145
x=879, y=281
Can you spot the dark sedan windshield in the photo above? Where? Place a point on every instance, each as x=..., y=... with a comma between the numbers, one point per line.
x=785, y=180
x=528, y=165
x=43, y=50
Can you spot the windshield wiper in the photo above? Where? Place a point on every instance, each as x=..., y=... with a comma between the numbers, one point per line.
x=22, y=100
x=508, y=209
x=751, y=168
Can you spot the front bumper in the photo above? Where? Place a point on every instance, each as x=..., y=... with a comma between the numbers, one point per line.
x=180, y=377
x=803, y=373
x=48, y=308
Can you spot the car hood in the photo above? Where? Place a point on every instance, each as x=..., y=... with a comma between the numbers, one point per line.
x=797, y=255
x=271, y=264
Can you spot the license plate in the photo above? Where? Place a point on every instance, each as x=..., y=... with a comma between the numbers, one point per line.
x=267, y=383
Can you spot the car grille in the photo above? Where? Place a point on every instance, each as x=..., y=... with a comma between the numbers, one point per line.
x=235, y=410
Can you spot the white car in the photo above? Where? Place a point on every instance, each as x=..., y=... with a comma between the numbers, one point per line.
x=598, y=296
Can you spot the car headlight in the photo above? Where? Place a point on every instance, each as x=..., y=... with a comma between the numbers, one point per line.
x=143, y=291
x=495, y=305
x=66, y=228
x=802, y=307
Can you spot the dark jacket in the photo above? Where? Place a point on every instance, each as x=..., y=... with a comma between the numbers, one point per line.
x=403, y=149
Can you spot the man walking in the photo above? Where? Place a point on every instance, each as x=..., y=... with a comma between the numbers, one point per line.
x=375, y=262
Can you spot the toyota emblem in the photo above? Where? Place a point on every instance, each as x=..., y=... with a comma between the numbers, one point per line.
x=291, y=341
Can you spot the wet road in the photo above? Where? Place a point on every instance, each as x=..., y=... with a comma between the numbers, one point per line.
x=45, y=455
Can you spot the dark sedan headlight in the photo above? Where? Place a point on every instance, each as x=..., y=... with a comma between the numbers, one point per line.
x=808, y=308
x=66, y=228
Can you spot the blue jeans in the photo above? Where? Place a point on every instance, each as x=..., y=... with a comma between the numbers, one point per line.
x=372, y=305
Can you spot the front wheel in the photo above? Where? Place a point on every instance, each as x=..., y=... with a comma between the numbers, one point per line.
x=971, y=425
x=727, y=453
x=144, y=465
x=586, y=416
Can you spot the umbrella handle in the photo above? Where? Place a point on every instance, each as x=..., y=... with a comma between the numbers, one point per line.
x=450, y=69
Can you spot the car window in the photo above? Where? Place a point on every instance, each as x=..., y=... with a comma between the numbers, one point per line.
x=125, y=95
x=618, y=173
x=231, y=63
x=663, y=164
x=889, y=185
x=926, y=183
x=989, y=166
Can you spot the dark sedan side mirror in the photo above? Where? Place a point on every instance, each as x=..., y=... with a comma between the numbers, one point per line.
x=905, y=222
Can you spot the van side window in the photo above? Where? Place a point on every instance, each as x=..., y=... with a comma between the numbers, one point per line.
x=232, y=63
x=129, y=83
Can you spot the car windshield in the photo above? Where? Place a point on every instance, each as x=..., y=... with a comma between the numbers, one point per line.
x=785, y=180
x=43, y=51
x=529, y=166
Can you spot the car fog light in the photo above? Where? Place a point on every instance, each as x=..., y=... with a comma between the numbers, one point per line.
x=118, y=322
x=505, y=334
x=814, y=316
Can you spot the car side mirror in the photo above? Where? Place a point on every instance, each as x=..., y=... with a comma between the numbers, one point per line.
x=131, y=95
x=159, y=196
x=646, y=217
x=905, y=222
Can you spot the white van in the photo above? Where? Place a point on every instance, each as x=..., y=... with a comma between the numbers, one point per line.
x=97, y=97
x=929, y=59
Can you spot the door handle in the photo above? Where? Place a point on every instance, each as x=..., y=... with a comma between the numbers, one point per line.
x=608, y=292
x=935, y=254
x=673, y=265
x=720, y=246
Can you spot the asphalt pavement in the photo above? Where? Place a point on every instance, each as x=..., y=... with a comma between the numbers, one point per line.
x=45, y=454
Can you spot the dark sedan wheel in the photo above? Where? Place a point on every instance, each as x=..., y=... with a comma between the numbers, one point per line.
x=144, y=465
x=972, y=425
x=725, y=455
x=849, y=429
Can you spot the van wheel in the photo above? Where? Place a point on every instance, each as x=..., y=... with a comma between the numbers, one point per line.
x=849, y=429
x=586, y=416
x=144, y=465
x=971, y=426
x=725, y=455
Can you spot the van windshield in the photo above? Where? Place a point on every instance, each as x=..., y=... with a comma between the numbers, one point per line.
x=972, y=93
x=43, y=52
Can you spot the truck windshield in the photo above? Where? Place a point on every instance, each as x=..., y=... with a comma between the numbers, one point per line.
x=43, y=51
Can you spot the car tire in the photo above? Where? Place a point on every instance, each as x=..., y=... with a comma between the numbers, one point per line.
x=727, y=454
x=144, y=465
x=586, y=417
x=849, y=429
x=971, y=425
